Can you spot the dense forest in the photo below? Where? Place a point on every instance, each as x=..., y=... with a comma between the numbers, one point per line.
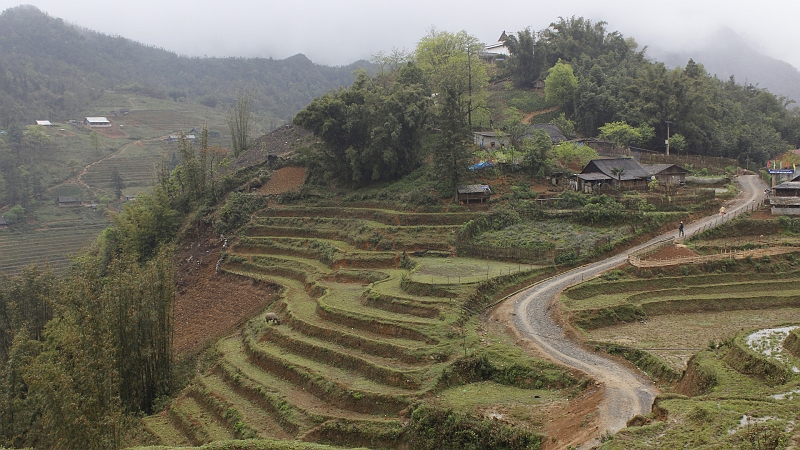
x=616, y=83
x=423, y=104
x=51, y=69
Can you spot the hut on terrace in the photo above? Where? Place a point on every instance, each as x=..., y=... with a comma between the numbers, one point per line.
x=474, y=193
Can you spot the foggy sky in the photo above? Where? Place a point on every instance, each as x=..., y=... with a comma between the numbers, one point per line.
x=338, y=33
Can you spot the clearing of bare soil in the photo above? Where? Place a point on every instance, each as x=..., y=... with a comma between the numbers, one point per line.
x=112, y=132
x=571, y=422
x=670, y=252
x=209, y=305
x=529, y=116
x=284, y=180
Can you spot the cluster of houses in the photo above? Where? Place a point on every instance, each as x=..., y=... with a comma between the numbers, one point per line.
x=624, y=174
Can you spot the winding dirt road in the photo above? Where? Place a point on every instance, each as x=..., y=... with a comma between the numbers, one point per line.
x=627, y=393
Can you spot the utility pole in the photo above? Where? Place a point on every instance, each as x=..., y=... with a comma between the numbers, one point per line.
x=668, y=123
x=469, y=83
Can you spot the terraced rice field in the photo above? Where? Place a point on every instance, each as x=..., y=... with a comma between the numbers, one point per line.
x=735, y=395
x=675, y=317
x=353, y=349
x=716, y=342
x=47, y=245
x=135, y=172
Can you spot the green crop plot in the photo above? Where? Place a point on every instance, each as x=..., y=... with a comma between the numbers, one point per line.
x=437, y=270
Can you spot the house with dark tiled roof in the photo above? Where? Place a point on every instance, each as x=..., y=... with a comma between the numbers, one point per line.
x=556, y=136
x=69, y=201
x=490, y=140
x=627, y=174
x=3, y=223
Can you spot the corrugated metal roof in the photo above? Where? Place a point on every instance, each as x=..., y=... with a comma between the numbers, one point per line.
x=596, y=176
x=788, y=185
x=474, y=189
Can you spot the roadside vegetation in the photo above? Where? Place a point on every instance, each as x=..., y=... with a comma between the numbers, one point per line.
x=720, y=338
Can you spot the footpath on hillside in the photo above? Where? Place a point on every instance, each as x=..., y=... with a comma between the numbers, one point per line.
x=626, y=392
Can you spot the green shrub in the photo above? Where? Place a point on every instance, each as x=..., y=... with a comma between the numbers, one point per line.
x=571, y=200
x=434, y=428
x=237, y=210
x=527, y=101
x=566, y=258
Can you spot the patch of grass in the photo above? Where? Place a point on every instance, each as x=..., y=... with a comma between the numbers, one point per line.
x=551, y=234
x=462, y=270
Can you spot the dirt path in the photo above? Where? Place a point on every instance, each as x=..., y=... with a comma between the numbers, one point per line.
x=627, y=392
x=78, y=179
x=529, y=116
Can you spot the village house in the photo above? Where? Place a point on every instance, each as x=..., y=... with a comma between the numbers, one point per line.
x=784, y=199
x=3, y=223
x=44, y=123
x=556, y=136
x=490, y=140
x=68, y=201
x=496, y=51
x=626, y=174
x=97, y=122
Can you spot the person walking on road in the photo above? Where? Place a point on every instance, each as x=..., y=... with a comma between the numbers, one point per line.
x=680, y=229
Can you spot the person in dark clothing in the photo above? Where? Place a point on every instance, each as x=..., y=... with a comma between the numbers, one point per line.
x=680, y=229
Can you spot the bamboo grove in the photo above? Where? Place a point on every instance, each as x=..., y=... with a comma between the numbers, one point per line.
x=80, y=356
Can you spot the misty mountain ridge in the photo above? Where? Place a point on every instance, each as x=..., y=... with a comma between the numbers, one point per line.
x=727, y=53
x=53, y=69
x=49, y=68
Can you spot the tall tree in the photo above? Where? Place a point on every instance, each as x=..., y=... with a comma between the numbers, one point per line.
x=35, y=139
x=560, y=84
x=451, y=153
x=15, y=136
x=536, y=151
x=525, y=64
x=451, y=63
x=94, y=136
x=239, y=120
x=373, y=130
x=117, y=183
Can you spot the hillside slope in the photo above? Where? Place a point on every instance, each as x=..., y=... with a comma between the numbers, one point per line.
x=49, y=68
x=728, y=54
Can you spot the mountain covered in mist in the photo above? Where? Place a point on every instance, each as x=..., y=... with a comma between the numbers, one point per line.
x=728, y=54
x=49, y=68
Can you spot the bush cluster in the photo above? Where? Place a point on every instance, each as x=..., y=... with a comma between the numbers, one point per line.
x=444, y=429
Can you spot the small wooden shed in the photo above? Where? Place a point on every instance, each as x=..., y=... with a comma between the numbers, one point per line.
x=69, y=201
x=474, y=193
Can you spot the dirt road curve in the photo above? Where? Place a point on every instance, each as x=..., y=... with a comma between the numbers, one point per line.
x=627, y=393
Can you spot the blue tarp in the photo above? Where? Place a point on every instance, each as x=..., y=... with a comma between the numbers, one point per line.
x=481, y=165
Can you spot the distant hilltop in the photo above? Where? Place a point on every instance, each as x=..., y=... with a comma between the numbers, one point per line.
x=49, y=68
x=727, y=53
